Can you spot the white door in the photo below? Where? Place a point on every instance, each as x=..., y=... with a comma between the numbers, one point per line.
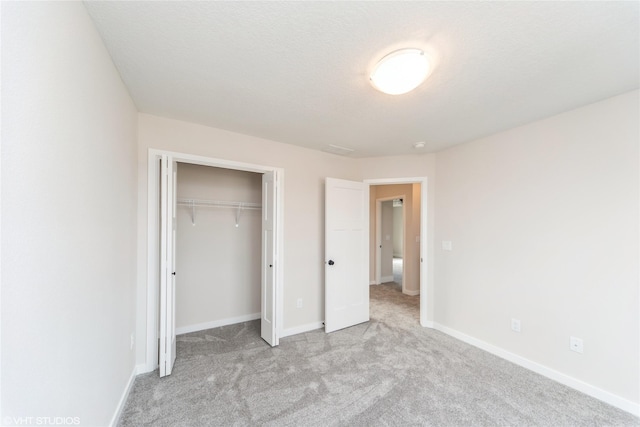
x=346, y=254
x=268, y=309
x=167, y=265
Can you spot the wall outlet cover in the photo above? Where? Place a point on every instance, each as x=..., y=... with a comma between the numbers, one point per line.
x=576, y=344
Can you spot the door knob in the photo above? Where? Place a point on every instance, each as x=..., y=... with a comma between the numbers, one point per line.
x=331, y=262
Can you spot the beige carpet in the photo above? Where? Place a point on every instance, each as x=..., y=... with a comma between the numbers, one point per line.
x=387, y=372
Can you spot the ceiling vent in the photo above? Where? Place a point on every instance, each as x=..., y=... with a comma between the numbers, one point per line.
x=336, y=149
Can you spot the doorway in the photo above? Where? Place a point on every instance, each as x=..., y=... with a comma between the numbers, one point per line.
x=389, y=219
x=414, y=254
x=161, y=271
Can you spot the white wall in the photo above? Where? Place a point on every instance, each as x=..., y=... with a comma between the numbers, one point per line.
x=305, y=172
x=544, y=224
x=217, y=263
x=68, y=217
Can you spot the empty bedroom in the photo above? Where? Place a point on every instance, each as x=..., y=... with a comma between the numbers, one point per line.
x=311, y=213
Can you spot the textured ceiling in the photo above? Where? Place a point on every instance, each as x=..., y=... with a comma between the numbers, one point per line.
x=297, y=72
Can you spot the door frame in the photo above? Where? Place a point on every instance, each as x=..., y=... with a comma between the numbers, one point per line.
x=425, y=285
x=153, y=239
x=379, y=237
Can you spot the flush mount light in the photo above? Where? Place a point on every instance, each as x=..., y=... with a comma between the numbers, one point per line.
x=419, y=145
x=400, y=71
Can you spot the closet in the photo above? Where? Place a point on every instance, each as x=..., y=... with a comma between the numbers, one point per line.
x=218, y=247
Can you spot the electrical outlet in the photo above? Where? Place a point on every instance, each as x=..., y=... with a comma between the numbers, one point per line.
x=299, y=303
x=576, y=344
x=515, y=325
x=133, y=340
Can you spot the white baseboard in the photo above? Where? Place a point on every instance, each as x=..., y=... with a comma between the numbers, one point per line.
x=591, y=390
x=411, y=293
x=429, y=324
x=373, y=282
x=386, y=279
x=301, y=329
x=216, y=323
x=123, y=398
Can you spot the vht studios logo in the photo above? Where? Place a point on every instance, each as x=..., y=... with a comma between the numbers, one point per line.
x=41, y=421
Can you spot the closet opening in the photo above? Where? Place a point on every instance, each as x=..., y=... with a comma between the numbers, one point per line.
x=218, y=247
x=214, y=249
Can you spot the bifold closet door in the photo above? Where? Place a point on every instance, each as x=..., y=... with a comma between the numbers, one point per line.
x=268, y=303
x=168, y=180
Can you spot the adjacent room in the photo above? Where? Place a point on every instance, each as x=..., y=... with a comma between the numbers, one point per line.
x=320, y=213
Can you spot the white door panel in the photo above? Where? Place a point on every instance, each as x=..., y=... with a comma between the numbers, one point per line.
x=346, y=253
x=267, y=322
x=167, y=265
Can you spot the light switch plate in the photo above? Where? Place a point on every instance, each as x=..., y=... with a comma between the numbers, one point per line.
x=515, y=325
x=447, y=245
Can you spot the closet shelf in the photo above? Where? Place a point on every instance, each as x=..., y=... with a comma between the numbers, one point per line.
x=218, y=204
x=239, y=206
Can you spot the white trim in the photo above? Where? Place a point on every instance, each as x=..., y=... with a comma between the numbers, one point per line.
x=591, y=390
x=145, y=368
x=411, y=293
x=424, y=254
x=153, y=264
x=152, y=238
x=386, y=279
x=1, y=413
x=123, y=399
x=302, y=329
x=373, y=282
x=278, y=317
x=216, y=323
x=378, y=243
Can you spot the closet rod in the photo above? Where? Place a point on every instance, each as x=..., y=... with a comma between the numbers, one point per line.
x=218, y=204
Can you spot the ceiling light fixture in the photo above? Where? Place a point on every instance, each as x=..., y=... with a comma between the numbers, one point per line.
x=400, y=71
x=419, y=145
